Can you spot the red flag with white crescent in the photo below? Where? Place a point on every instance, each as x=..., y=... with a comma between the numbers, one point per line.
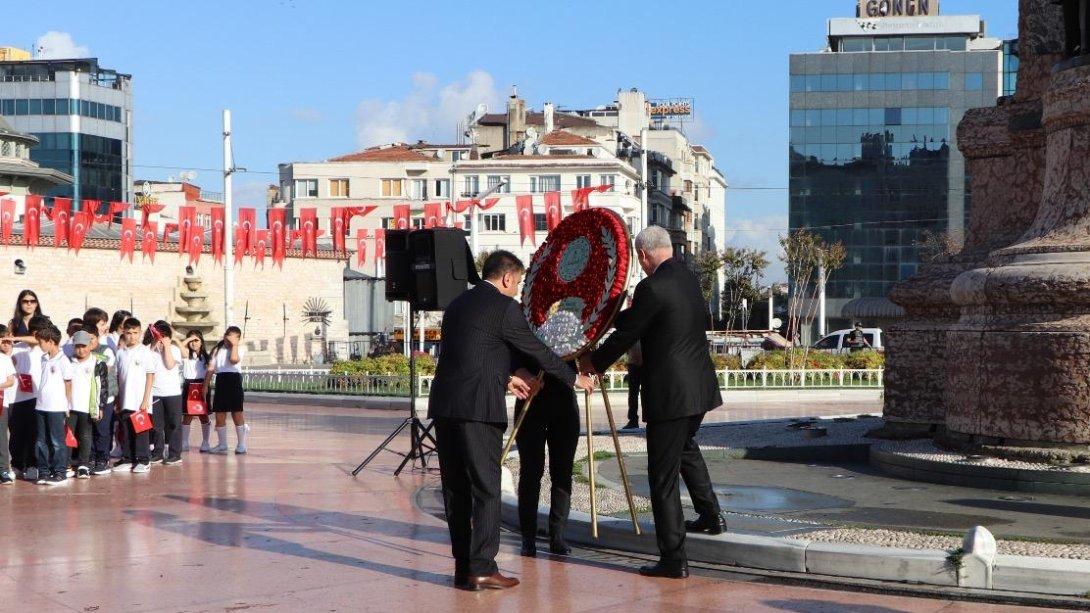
x=580, y=198
x=32, y=220
x=487, y=204
x=553, y=212
x=276, y=235
x=380, y=244
x=524, y=208
x=240, y=244
x=361, y=247
x=77, y=230
x=171, y=228
x=308, y=218
x=460, y=206
x=432, y=215
x=147, y=209
x=218, y=233
x=7, y=219
x=247, y=220
x=187, y=218
x=337, y=229
x=148, y=239
x=401, y=216
x=261, y=243
x=60, y=215
x=195, y=244
x=113, y=209
x=128, y=237
x=91, y=206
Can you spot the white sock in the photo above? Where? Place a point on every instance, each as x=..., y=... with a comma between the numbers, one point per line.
x=221, y=436
x=185, y=436
x=206, y=432
x=240, y=433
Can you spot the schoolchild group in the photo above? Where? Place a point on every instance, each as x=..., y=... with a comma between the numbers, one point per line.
x=111, y=394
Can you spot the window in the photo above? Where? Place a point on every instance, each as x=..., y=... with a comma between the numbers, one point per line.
x=49, y=106
x=540, y=223
x=974, y=81
x=494, y=222
x=418, y=223
x=856, y=44
x=457, y=155
x=919, y=43
x=418, y=189
x=467, y=222
x=545, y=183
x=35, y=106
x=829, y=342
x=503, y=180
x=582, y=181
x=471, y=185
x=610, y=180
x=22, y=106
x=688, y=185
x=391, y=188
x=442, y=188
x=389, y=223
x=306, y=188
x=338, y=188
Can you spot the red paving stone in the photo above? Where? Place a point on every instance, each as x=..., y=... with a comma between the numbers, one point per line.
x=286, y=528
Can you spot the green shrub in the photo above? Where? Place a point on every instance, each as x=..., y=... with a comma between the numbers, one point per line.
x=727, y=362
x=390, y=364
x=799, y=358
x=868, y=359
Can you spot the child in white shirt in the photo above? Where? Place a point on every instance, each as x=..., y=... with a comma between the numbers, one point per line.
x=22, y=418
x=7, y=389
x=136, y=376
x=54, y=399
x=85, y=400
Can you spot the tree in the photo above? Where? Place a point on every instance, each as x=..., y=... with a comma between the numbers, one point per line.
x=806, y=256
x=743, y=270
x=479, y=261
x=706, y=266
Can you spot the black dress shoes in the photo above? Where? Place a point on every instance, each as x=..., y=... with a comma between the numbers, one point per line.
x=715, y=524
x=559, y=546
x=529, y=548
x=631, y=426
x=495, y=581
x=669, y=570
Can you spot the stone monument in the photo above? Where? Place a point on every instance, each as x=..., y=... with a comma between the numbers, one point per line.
x=194, y=312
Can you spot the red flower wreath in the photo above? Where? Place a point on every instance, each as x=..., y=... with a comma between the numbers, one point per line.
x=581, y=269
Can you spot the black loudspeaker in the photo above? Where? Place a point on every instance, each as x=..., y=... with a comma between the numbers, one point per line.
x=439, y=266
x=399, y=276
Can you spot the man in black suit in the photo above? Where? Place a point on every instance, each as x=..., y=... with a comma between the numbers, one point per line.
x=481, y=328
x=679, y=386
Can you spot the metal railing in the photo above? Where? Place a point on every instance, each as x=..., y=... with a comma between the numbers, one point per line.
x=318, y=381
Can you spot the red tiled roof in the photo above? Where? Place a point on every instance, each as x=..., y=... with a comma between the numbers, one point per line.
x=561, y=137
x=700, y=149
x=562, y=120
x=390, y=153
x=519, y=156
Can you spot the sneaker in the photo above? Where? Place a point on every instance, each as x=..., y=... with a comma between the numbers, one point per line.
x=31, y=474
x=68, y=474
x=219, y=449
x=143, y=467
x=116, y=453
x=6, y=478
x=185, y=445
x=205, y=448
x=123, y=465
x=101, y=468
x=172, y=461
x=42, y=480
x=83, y=472
x=56, y=480
x=18, y=473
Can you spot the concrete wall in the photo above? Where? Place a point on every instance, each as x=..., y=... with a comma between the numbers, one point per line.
x=67, y=283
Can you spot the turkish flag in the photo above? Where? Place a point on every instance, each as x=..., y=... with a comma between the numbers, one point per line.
x=487, y=204
x=77, y=231
x=32, y=219
x=148, y=239
x=432, y=215
x=60, y=215
x=147, y=209
x=336, y=228
x=356, y=211
x=218, y=232
x=401, y=216
x=276, y=234
x=112, y=210
x=361, y=247
x=380, y=244
x=308, y=218
x=171, y=228
x=524, y=208
x=553, y=212
x=91, y=206
x=187, y=218
x=261, y=242
x=128, y=237
x=7, y=219
x=195, y=244
x=240, y=244
x=460, y=207
x=580, y=198
x=247, y=220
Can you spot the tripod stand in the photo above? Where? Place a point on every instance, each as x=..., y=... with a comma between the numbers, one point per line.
x=421, y=440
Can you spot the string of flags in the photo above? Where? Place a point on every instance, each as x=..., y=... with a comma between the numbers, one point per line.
x=70, y=228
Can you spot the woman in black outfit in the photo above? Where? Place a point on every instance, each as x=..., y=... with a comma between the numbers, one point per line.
x=26, y=306
x=553, y=420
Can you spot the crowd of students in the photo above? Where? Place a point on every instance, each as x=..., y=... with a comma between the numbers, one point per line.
x=113, y=395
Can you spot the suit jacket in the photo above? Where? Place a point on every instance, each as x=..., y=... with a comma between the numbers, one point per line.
x=481, y=328
x=668, y=316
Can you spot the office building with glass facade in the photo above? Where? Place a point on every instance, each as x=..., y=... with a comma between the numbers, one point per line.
x=81, y=115
x=873, y=155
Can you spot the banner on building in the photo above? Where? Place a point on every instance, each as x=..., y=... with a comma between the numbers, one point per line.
x=524, y=208
x=128, y=237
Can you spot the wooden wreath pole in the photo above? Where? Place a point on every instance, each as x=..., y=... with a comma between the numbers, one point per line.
x=518, y=422
x=590, y=467
x=620, y=462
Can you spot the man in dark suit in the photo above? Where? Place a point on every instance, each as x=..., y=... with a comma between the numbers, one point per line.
x=481, y=328
x=679, y=386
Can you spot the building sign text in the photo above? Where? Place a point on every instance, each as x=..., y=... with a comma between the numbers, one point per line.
x=898, y=8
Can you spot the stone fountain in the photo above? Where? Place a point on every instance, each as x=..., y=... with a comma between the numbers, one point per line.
x=194, y=312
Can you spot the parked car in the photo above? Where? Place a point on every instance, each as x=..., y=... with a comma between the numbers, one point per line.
x=837, y=342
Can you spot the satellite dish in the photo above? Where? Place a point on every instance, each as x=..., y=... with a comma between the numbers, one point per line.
x=188, y=176
x=482, y=109
x=777, y=323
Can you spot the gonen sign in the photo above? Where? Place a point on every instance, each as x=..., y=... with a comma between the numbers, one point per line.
x=898, y=8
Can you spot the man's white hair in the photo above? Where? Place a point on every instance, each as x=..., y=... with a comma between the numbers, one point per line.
x=653, y=238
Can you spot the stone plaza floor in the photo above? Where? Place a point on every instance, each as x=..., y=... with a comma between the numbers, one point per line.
x=286, y=528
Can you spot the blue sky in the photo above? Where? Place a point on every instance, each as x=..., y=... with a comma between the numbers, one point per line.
x=309, y=79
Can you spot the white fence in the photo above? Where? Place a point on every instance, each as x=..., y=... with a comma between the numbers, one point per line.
x=318, y=381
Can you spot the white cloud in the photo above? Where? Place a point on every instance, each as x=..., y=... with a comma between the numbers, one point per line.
x=59, y=45
x=429, y=111
x=761, y=233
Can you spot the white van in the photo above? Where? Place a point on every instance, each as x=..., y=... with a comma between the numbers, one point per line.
x=837, y=342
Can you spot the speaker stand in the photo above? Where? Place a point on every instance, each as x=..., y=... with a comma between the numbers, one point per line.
x=421, y=441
